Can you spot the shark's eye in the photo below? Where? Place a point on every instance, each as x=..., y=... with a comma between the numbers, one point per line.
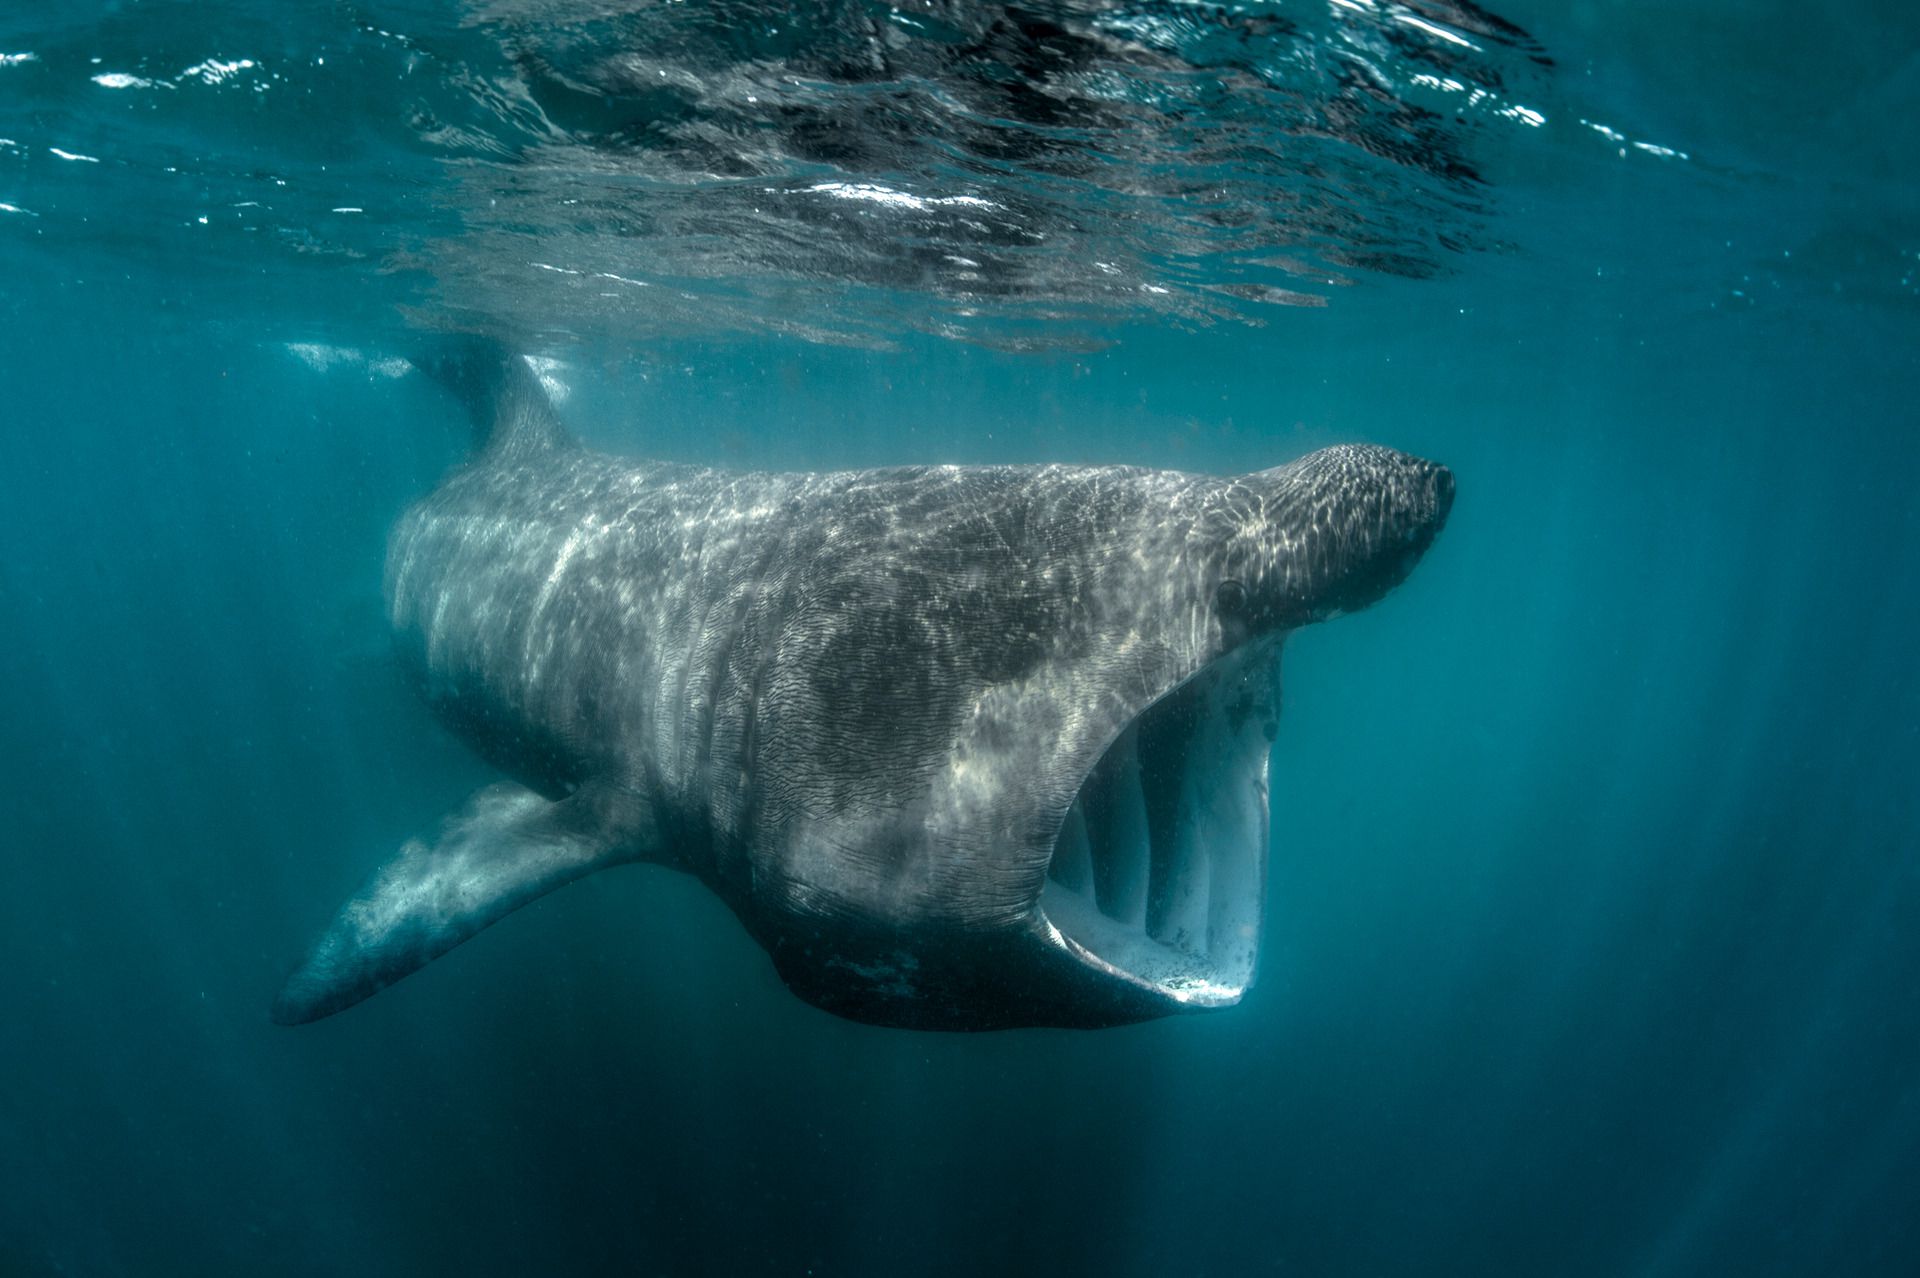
x=1229, y=597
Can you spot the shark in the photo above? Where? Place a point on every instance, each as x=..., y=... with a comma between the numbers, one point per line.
x=962, y=747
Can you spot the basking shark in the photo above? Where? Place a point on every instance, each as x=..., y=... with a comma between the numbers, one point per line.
x=964, y=747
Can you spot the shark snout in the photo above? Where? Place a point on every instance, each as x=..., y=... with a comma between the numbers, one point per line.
x=1440, y=490
x=1403, y=494
x=1396, y=504
x=1343, y=526
x=1426, y=509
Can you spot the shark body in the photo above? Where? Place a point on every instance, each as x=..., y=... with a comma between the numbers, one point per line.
x=963, y=747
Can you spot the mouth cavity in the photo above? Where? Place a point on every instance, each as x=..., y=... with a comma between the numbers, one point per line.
x=1158, y=873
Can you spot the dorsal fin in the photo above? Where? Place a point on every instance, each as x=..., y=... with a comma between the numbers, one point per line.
x=510, y=410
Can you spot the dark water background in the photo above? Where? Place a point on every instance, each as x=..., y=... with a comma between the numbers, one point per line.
x=1594, y=930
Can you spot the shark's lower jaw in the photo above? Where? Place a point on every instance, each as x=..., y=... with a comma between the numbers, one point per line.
x=1158, y=874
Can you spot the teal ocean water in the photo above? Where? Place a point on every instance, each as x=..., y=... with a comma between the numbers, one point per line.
x=1593, y=925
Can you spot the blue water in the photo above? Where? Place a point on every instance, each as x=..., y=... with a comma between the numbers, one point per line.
x=1594, y=923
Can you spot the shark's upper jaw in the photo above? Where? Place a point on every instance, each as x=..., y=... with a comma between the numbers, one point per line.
x=1158, y=874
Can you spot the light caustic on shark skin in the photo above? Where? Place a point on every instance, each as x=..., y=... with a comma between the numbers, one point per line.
x=963, y=747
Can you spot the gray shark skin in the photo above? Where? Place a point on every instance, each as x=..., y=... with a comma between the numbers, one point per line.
x=962, y=747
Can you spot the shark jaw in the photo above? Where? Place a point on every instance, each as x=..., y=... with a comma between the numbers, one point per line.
x=1158, y=873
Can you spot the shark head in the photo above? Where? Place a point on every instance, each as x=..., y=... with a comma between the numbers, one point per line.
x=1058, y=690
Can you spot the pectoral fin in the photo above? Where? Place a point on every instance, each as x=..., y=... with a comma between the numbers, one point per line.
x=506, y=847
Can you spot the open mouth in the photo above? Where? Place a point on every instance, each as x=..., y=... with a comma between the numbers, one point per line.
x=1159, y=870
